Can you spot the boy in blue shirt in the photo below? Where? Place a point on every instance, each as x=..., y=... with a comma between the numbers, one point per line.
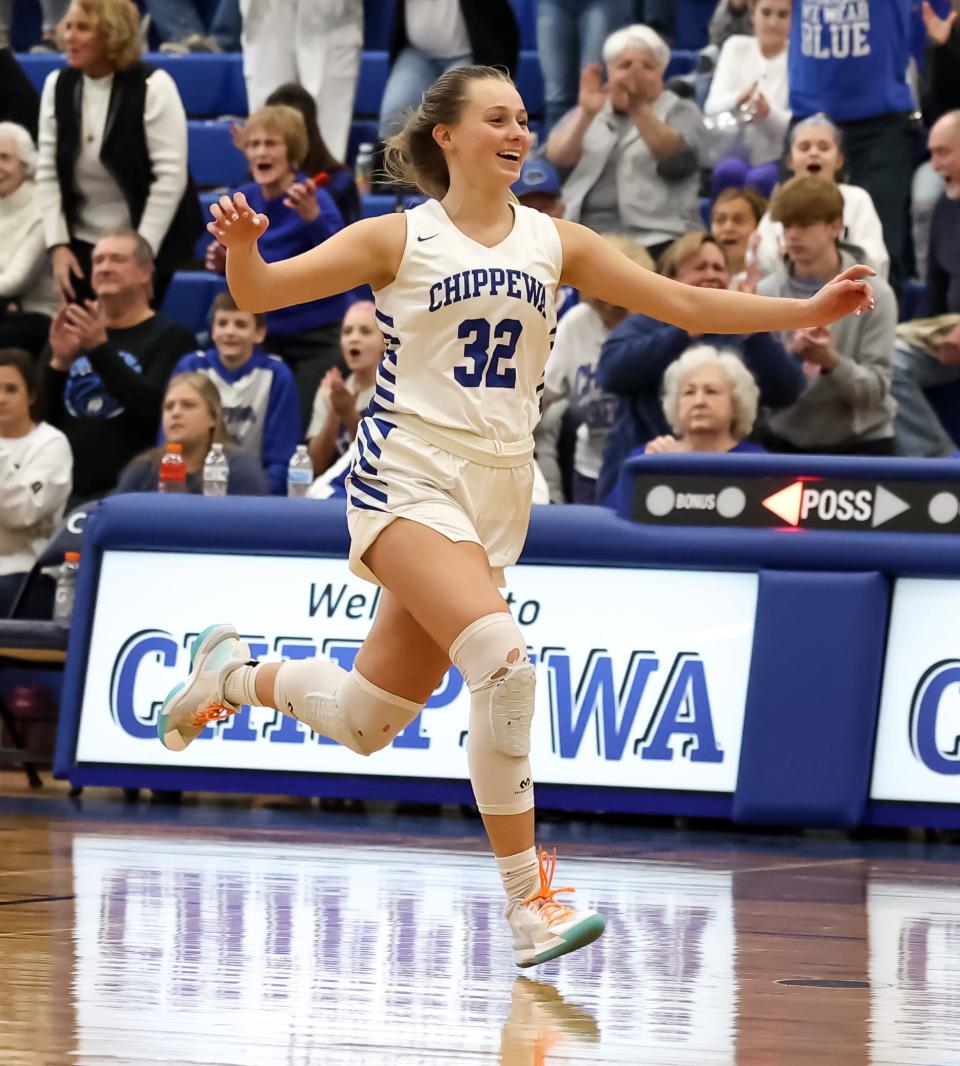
x=261, y=408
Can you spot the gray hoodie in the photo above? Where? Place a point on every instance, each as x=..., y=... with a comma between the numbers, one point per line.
x=852, y=404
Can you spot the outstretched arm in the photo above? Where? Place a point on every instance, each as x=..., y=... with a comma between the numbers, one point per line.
x=597, y=269
x=368, y=252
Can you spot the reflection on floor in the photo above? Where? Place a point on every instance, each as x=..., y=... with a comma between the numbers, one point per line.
x=143, y=943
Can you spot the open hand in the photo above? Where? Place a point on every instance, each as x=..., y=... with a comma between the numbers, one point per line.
x=760, y=106
x=938, y=29
x=302, y=198
x=593, y=93
x=64, y=346
x=815, y=345
x=747, y=95
x=235, y=223
x=340, y=398
x=65, y=269
x=847, y=294
x=85, y=325
x=216, y=258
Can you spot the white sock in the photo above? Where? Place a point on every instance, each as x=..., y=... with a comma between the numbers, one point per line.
x=519, y=874
x=240, y=686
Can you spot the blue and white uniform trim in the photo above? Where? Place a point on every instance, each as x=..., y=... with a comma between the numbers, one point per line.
x=365, y=488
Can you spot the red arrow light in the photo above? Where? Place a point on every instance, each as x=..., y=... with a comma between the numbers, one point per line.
x=786, y=503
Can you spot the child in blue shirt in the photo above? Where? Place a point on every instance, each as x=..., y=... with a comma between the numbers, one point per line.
x=258, y=392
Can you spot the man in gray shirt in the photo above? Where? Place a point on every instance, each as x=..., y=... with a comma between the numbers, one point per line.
x=846, y=408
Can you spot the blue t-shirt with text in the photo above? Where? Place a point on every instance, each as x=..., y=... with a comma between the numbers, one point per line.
x=849, y=58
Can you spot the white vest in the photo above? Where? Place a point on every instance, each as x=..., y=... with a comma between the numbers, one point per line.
x=469, y=328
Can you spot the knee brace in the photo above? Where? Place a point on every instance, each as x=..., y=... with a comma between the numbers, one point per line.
x=343, y=706
x=492, y=656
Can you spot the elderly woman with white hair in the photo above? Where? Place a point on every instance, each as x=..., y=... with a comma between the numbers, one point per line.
x=634, y=148
x=28, y=298
x=710, y=402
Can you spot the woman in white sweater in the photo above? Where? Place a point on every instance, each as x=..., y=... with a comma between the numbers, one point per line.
x=816, y=149
x=113, y=148
x=36, y=469
x=28, y=298
x=751, y=80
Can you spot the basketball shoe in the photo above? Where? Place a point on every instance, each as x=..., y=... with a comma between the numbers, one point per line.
x=199, y=700
x=543, y=928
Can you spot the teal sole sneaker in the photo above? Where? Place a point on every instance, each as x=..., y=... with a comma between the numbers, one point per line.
x=194, y=703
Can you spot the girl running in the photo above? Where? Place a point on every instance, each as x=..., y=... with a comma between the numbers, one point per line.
x=439, y=491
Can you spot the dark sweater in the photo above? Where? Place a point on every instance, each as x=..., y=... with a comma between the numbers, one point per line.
x=109, y=403
x=491, y=28
x=943, y=261
x=245, y=477
x=940, y=78
x=19, y=100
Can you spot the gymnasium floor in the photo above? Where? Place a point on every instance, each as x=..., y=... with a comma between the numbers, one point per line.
x=231, y=933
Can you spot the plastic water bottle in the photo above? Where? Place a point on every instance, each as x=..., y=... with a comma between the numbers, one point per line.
x=215, y=471
x=173, y=470
x=299, y=472
x=66, y=587
x=363, y=168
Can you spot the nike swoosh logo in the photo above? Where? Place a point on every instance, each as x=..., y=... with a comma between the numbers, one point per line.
x=430, y=238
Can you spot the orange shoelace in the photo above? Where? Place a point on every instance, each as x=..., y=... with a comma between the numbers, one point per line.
x=551, y=909
x=216, y=712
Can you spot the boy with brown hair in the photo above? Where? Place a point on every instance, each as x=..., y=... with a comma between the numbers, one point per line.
x=846, y=407
x=258, y=392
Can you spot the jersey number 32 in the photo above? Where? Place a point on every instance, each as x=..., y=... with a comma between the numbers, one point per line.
x=488, y=368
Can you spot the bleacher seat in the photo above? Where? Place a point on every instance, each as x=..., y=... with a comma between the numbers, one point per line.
x=190, y=295
x=374, y=68
x=912, y=296
x=379, y=204
x=213, y=158
x=209, y=84
x=681, y=62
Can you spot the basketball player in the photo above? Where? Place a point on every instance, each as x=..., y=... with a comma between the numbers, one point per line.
x=439, y=490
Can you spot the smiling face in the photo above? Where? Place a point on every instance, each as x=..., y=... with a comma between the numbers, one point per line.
x=267, y=155
x=186, y=417
x=731, y=224
x=771, y=25
x=13, y=171
x=235, y=334
x=634, y=74
x=83, y=44
x=945, y=152
x=705, y=269
x=815, y=153
x=361, y=341
x=491, y=139
x=705, y=402
x=15, y=420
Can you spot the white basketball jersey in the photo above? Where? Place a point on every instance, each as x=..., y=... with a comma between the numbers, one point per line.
x=469, y=328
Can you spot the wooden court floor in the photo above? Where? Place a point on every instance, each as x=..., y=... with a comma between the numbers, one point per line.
x=233, y=936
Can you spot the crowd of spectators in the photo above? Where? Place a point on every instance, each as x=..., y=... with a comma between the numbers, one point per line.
x=808, y=136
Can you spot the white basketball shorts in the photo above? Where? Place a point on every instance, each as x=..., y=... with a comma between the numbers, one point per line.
x=398, y=475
